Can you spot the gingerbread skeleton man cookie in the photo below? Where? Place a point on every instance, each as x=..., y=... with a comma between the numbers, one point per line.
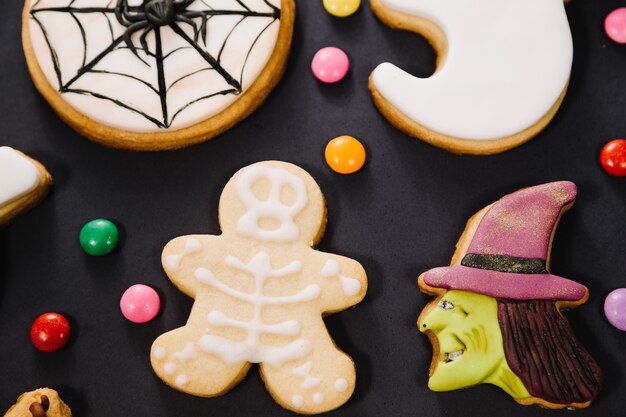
x=502, y=72
x=24, y=182
x=260, y=293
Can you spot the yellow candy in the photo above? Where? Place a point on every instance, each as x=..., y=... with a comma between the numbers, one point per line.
x=342, y=8
x=345, y=155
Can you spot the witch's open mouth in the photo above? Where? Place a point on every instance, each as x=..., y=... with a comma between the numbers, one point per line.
x=452, y=356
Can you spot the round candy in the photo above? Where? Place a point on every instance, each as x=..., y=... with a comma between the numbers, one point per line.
x=99, y=237
x=613, y=157
x=345, y=154
x=330, y=64
x=615, y=308
x=615, y=25
x=50, y=332
x=342, y=8
x=140, y=303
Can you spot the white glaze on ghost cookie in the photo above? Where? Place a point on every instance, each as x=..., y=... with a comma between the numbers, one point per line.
x=505, y=65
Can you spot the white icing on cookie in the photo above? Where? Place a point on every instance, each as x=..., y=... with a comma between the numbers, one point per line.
x=192, y=245
x=330, y=268
x=188, y=352
x=508, y=62
x=304, y=371
x=18, y=175
x=297, y=401
x=159, y=353
x=104, y=80
x=169, y=368
x=182, y=380
x=251, y=349
x=273, y=207
x=318, y=398
x=341, y=385
x=350, y=286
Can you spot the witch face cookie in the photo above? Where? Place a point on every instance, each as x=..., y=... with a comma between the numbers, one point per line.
x=156, y=74
x=498, y=316
x=24, y=182
x=260, y=293
x=502, y=71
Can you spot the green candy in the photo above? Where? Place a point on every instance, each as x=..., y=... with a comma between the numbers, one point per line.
x=99, y=237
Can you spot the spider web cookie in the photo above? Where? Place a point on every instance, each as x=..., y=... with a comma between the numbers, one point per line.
x=155, y=74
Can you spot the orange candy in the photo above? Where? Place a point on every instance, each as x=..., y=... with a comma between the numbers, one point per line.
x=345, y=155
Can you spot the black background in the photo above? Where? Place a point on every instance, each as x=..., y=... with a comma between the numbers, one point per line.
x=399, y=216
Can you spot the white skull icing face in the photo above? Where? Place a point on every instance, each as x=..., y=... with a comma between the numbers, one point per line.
x=273, y=204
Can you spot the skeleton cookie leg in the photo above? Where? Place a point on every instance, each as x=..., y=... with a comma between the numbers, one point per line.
x=319, y=382
x=180, y=363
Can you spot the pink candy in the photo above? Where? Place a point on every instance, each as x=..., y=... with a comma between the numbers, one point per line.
x=615, y=308
x=140, y=303
x=330, y=64
x=615, y=25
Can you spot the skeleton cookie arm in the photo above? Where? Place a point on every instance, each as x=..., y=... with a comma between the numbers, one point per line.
x=183, y=255
x=343, y=281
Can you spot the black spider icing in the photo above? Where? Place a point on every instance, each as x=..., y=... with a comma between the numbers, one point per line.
x=152, y=16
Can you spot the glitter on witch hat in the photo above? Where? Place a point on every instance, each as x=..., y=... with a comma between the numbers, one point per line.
x=510, y=247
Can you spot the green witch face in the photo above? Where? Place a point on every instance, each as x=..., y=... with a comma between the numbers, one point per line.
x=464, y=328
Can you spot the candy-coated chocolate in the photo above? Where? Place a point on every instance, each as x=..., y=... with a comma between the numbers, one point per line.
x=342, y=8
x=99, y=237
x=613, y=157
x=38, y=409
x=50, y=332
x=330, y=64
x=615, y=25
x=345, y=155
x=140, y=303
x=615, y=308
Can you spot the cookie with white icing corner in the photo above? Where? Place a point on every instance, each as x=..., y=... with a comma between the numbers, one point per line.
x=151, y=75
x=24, y=182
x=261, y=292
x=43, y=402
x=503, y=67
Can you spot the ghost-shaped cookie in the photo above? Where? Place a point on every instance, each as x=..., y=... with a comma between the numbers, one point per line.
x=502, y=71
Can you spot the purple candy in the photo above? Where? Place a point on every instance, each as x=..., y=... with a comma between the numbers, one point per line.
x=615, y=308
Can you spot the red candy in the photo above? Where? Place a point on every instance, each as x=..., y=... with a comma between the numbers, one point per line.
x=613, y=157
x=50, y=332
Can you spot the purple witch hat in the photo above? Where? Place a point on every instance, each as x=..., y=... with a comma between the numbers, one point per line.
x=509, y=248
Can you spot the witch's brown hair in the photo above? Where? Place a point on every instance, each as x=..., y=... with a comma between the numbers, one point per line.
x=542, y=350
